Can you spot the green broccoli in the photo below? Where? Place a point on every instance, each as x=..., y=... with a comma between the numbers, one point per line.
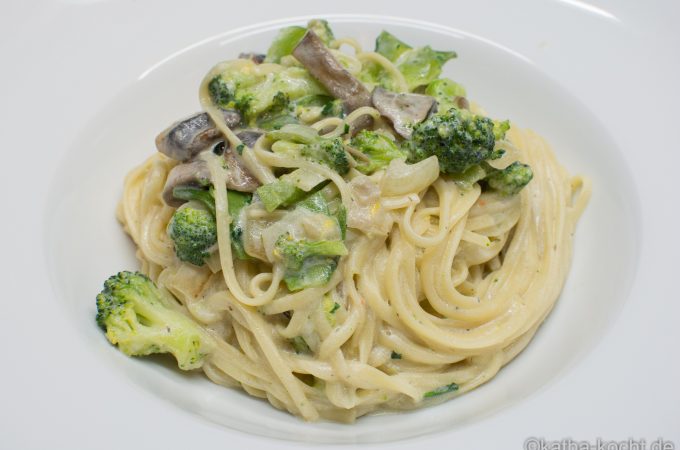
x=445, y=91
x=441, y=390
x=237, y=201
x=194, y=233
x=280, y=113
x=379, y=149
x=279, y=193
x=284, y=43
x=221, y=92
x=458, y=138
x=333, y=108
x=419, y=66
x=509, y=181
x=300, y=345
x=327, y=151
x=204, y=196
x=321, y=28
x=317, y=203
x=307, y=263
x=133, y=312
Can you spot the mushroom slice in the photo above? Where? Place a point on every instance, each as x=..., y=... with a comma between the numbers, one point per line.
x=257, y=58
x=194, y=173
x=322, y=65
x=239, y=177
x=186, y=138
x=249, y=137
x=404, y=110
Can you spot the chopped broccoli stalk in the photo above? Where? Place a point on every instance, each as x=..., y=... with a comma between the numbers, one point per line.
x=379, y=149
x=237, y=201
x=329, y=308
x=511, y=180
x=194, y=233
x=321, y=28
x=395, y=355
x=471, y=176
x=333, y=108
x=284, y=43
x=132, y=311
x=419, y=66
x=300, y=345
x=307, y=263
x=445, y=91
x=279, y=193
x=340, y=214
x=441, y=390
x=317, y=203
x=188, y=193
x=458, y=138
x=329, y=152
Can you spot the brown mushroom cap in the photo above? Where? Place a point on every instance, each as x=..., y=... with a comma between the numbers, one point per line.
x=322, y=65
x=184, y=139
x=404, y=110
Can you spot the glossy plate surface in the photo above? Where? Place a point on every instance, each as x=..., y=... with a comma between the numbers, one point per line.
x=110, y=94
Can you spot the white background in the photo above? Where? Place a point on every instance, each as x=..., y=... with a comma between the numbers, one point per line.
x=622, y=59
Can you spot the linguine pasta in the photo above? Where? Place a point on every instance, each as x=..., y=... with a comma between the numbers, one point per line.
x=442, y=284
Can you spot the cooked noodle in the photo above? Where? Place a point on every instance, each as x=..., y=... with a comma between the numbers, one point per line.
x=451, y=293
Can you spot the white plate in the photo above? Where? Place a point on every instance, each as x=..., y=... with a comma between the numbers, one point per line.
x=89, y=86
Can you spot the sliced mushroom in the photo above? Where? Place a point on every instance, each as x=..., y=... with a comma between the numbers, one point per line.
x=320, y=62
x=186, y=138
x=239, y=177
x=257, y=58
x=249, y=137
x=404, y=110
x=196, y=173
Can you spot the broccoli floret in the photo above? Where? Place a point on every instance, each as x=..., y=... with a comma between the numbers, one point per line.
x=511, y=180
x=237, y=201
x=132, y=311
x=307, y=263
x=445, y=91
x=329, y=152
x=458, y=138
x=194, y=233
x=321, y=28
x=280, y=113
x=220, y=91
x=379, y=149
x=333, y=108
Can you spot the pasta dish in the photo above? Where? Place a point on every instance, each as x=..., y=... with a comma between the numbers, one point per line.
x=340, y=231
